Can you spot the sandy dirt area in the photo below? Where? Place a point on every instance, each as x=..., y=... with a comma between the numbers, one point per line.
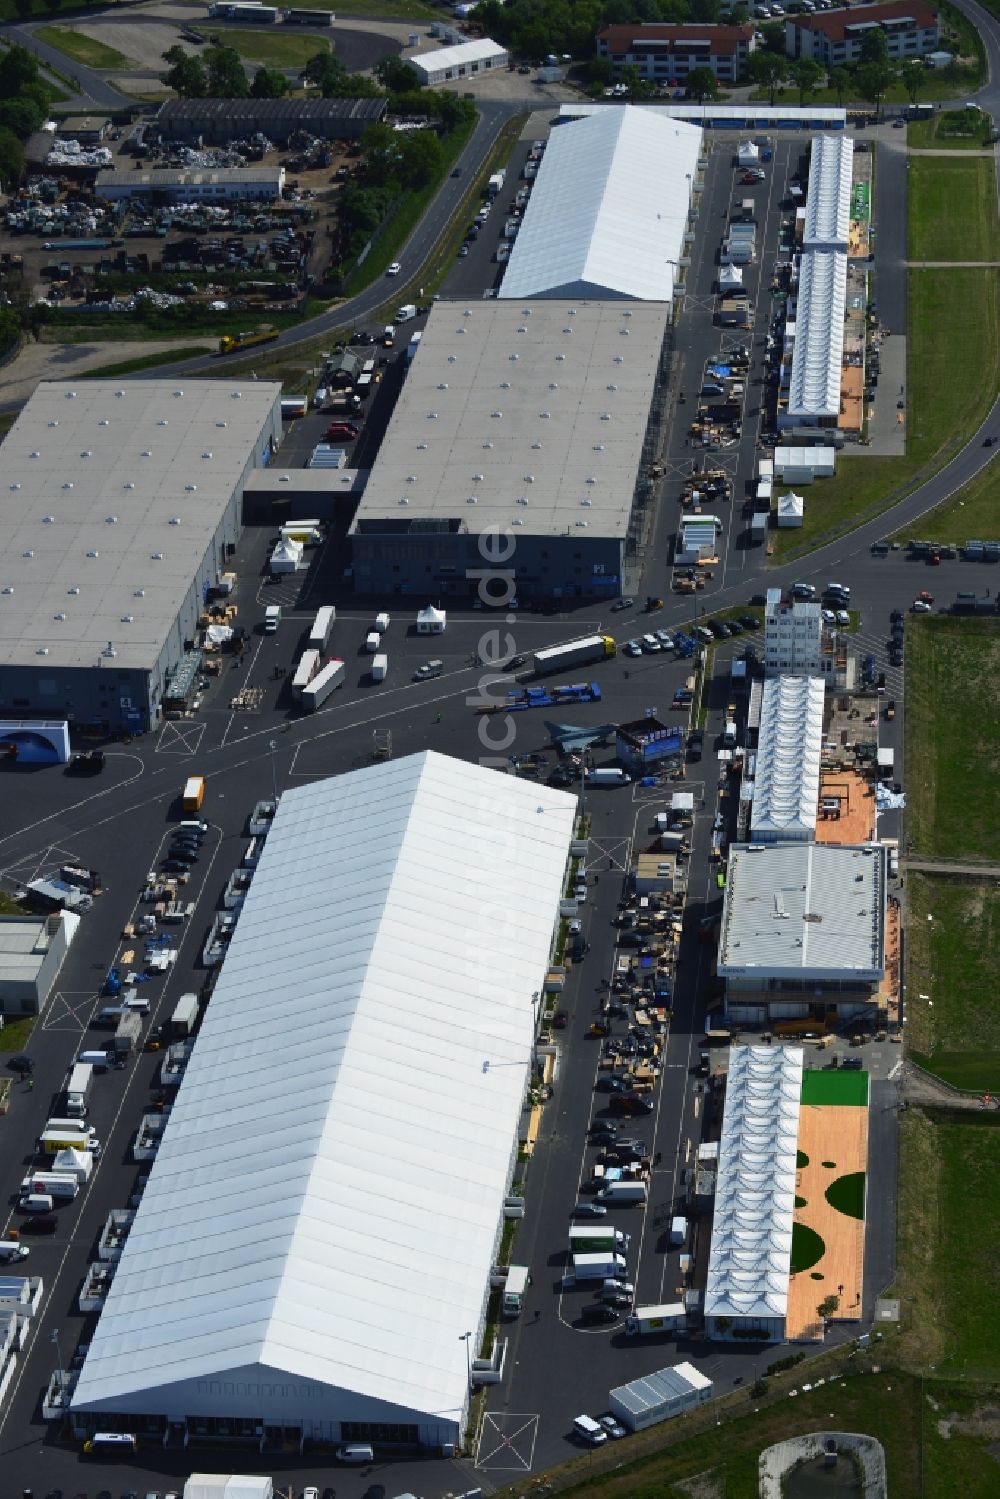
x=44, y=361
x=143, y=45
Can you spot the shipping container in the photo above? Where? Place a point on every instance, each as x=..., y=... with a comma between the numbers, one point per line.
x=322, y=685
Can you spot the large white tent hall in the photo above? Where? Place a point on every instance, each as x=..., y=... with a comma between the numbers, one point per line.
x=319, y=1226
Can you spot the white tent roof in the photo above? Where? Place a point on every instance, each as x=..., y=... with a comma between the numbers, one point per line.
x=227, y=1486
x=750, y=1258
x=609, y=209
x=432, y=616
x=818, y=355
x=820, y=460
x=828, y=201
x=789, y=750
x=328, y=1191
x=791, y=504
x=731, y=275
x=747, y=154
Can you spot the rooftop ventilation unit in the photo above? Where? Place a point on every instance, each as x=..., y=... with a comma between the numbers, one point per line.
x=612, y=387
x=163, y=422
x=119, y=394
x=545, y=415
x=93, y=554
x=522, y=329
x=127, y=619
x=487, y=444
x=624, y=332
x=146, y=453
x=581, y=523
x=505, y=385
x=496, y=413
x=529, y=478
x=284, y=479
x=36, y=454
x=553, y=385
x=104, y=422
x=53, y=424
x=109, y=649
x=190, y=488
x=207, y=453
x=598, y=447
x=222, y=424
x=111, y=520
x=42, y=650
x=68, y=484
x=403, y=500
x=586, y=502
x=48, y=520
x=177, y=393
x=86, y=453
x=129, y=484
x=28, y=553
x=71, y=395
x=59, y=616
x=443, y=385
x=567, y=330
x=591, y=479
x=411, y=478
x=432, y=416
x=156, y=556
x=73, y=590
x=452, y=359
x=15, y=486
x=421, y=447
x=237, y=395
x=619, y=359
x=473, y=499
x=513, y=357
x=8, y=589
x=536, y=445
x=517, y=521
x=477, y=478
x=560, y=358
x=605, y=416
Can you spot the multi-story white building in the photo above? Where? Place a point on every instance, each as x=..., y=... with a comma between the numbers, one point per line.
x=666, y=54
x=834, y=37
x=792, y=637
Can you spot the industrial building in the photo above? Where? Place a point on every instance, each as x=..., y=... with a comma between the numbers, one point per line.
x=785, y=783
x=665, y=54
x=833, y=38
x=749, y=1264
x=793, y=636
x=32, y=949
x=317, y=1234
x=609, y=211
x=525, y=431
x=165, y=185
x=123, y=504
x=803, y=932
x=463, y=60
x=217, y=122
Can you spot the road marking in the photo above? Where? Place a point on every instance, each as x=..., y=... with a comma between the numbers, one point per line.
x=179, y=738
x=501, y=1428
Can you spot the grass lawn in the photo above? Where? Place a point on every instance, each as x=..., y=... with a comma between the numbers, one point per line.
x=950, y=130
x=973, y=512
x=953, y=208
x=148, y=361
x=9, y=906
x=15, y=1034
x=952, y=711
x=835, y=1088
x=955, y=959
x=273, y=47
x=84, y=49
x=949, y=1206
x=953, y=373
x=847, y=1194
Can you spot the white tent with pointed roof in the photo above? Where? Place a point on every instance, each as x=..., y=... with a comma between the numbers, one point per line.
x=431, y=621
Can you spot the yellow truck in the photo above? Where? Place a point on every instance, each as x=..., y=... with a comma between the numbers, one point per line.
x=231, y=343
x=194, y=793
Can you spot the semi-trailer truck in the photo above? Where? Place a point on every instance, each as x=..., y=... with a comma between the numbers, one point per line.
x=230, y=343
x=573, y=653
x=515, y=1288
x=309, y=665
x=322, y=685
x=599, y=1266
x=58, y=1184
x=669, y=1318
x=593, y=1239
x=78, y=1089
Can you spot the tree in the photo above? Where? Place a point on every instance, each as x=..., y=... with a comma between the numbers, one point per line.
x=767, y=70
x=911, y=76
x=23, y=8
x=328, y=74
x=18, y=70
x=773, y=33
x=422, y=158
x=806, y=74
x=702, y=84
x=10, y=322
x=20, y=116
x=11, y=169
x=827, y=1307
x=186, y=75
x=268, y=83
x=383, y=155
x=226, y=78
x=841, y=80
x=873, y=78
x=396, y=75
x=874, y=46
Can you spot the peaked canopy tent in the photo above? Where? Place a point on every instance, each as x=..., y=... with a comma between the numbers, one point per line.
x=431, y=621
x=818, y=353
x=325, y=1206
x=751, y=1251
x=789, y=752
x=609, y=210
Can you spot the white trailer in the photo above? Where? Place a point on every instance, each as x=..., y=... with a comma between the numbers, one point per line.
x=309, y=664
x=60, y=1185
x=322, y=685
x=572, y=653
x=319, y=635
x=380, y=668
x=668, y=1318
x=184, y=1018
x=623, y=1193
x=599, y=1267
x=78, y=1089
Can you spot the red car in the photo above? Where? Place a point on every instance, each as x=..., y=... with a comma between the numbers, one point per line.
x=342, y=429
x=561, y=1020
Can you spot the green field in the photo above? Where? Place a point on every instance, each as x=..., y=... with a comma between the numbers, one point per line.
x=949, y=1208
x=973, y=511
x=273, y=47
x=952, y=714
x=821, y=1085
x=85, y=49
x=954, y=958
x=953, y=208
x=950, y=130
x=953, y=374
x=847, y=1194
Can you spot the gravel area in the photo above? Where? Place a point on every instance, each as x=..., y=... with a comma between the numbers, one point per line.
x=51, y=361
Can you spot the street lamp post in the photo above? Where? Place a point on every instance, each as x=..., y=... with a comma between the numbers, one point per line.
x=54, y=1340
x=273, y=746
x=465, y=1337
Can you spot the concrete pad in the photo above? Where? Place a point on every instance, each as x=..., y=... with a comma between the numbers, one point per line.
x=53, y=361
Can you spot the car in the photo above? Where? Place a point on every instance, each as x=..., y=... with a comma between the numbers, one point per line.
x=176, y=866
x=524, y=71
x=718, y=629
x=735, y=628
x=41, y=1223
x=695, y=744
x=463, y=250
x=632, y=648
x=620, y=604
x=803, y=591
x=598, y=1312
x=703, y=634
x=896, y=653
x=342, y=429
x=630, y=1103
x=843, y=618
x=457, y=172
x=920, y=606
x=590, y=1210
x=665, y=639
x=560, y=1020
x=651, y=645
x=183, y=852
x=603, y=1127
x=309, y=1493
x=606, y=1084
x=828, y=617
x=22, y=1064
x=393, y=269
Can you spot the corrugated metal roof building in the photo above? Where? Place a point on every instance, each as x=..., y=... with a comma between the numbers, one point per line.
x=319, y=1225
x=750, y=1258
x=659, y=1396
x=216, y=122
x=609, y=209
x=789, y=750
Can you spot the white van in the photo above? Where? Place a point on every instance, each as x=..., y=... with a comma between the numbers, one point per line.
x=355, y=1452
x=11, y=1250
x=99, y=1060
x=36, y=1202
x=589, y=1430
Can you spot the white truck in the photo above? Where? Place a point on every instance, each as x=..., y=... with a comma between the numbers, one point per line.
x=272, y=619
x=323, y=685
x=572, y=653
x=380, y=667
x=678, y=1231
x=309, y=665
x=59, y=1185
x=182, y=1021
x=515, y=1288
x=600, y=1266
x=496, y=182
x=622, y=1194
x=78, y=1089
x=322, y=625
x=669, y=1318
x=592, y=1238
x=406, y=313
